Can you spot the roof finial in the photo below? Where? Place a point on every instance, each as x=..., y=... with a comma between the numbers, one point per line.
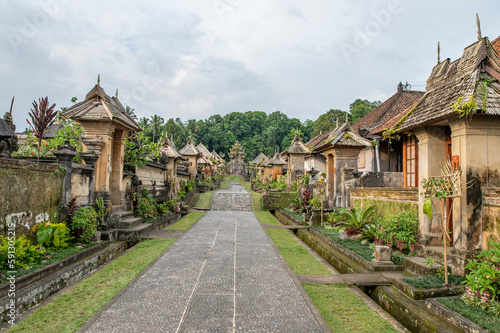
x=346, y=117
x=439, y=53
x=479, y=37
x=98, y=79
x=116, y=93
x=12, y=105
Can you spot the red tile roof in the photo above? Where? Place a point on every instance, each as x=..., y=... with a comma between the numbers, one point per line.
x=496, y=44
x=395, y=106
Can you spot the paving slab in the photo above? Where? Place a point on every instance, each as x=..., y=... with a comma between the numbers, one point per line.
x=223, y=275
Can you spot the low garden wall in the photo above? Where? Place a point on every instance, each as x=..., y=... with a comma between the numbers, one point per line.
x=276, y=200
x=28, y=192
x=388, y=201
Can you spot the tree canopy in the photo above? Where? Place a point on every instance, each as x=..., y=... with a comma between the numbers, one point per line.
x=255, y=130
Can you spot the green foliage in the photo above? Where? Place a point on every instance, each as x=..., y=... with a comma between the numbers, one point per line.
x=53, y=235
x=146, y=205
x=483, y=281
x=465, y=108
x=483, y=318
x=354, y=218
x=101, y=211
x=370, y=232
x=139, y=150
x=364, y=250
x=399, y=231
x=433, y=281
x=84, y=224
x=72, y=132
x=24, y=253
x=315, y=202
x=428, y=207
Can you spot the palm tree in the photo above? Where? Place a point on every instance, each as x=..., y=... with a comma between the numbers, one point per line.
x=156, y=124
x=130, y=112
x=143, y=123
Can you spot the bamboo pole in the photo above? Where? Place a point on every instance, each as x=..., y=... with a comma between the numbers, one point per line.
x=445, y=239
x=321, y=212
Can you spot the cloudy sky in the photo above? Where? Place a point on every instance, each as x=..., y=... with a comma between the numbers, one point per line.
x=196, y=58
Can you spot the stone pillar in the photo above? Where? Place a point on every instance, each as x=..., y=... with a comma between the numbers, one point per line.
x=345, y=157
x=65, y=154
x=330, y=174
x=431, y=157
x=475, y=142
x=90, y=158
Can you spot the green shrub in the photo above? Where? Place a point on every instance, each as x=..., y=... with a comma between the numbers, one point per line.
x=18, y=253
x=370, y=232
x=483, y=281
x=53, y=235
x=354, y=219
x=84, y=224
x=398, y=231
x=146, y=205
x=433, y=281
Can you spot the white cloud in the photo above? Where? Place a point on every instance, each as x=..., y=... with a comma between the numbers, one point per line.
x=188, y=59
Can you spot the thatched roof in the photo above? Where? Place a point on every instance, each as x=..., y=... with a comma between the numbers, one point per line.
x=217, y=157
x=260, y=158
x=189, y=149
x=52, y=130
x=478, y=67
x=297, y=147
x=168, y=148
x=275, y=160
x=341, y=136
x=206, y=154
x=5, y=130
x=98, y=106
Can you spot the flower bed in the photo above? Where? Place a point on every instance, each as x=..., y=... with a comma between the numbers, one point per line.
x=481, y=317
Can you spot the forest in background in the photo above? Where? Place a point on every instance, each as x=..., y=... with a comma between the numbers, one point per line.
x=255, y=130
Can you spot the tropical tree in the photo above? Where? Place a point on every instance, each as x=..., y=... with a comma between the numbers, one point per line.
x=42, y=116
x=143, y=123
x=156, y=124
x=130, y=112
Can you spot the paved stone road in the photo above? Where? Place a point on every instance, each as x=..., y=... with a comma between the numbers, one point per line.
x=223, y=275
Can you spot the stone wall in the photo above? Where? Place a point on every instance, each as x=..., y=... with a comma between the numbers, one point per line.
x=382, y=179
x=388, y=201
x=276, y=200
x=28, y=192
x=153, y=177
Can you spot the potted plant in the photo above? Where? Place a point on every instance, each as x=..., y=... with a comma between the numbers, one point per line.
x=102, y=212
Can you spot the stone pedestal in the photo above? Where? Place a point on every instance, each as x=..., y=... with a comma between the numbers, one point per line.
x=65, y=155
x=382, y=255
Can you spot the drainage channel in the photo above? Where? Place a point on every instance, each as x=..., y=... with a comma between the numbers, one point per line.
x=381, y=287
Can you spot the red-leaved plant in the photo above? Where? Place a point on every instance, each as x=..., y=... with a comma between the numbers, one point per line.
x=42, y=117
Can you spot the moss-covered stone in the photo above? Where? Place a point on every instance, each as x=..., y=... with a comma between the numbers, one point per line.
x=26, y=191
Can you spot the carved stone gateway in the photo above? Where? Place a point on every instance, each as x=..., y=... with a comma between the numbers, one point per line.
x=106, y=124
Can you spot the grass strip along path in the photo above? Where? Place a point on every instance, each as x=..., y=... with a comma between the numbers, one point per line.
x=186, y=222
x=74, y=307
x=344, y=311
x=340, y=307
x=204, y=200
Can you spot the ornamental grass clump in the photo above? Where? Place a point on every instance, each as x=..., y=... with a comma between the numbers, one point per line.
x=354, y=220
